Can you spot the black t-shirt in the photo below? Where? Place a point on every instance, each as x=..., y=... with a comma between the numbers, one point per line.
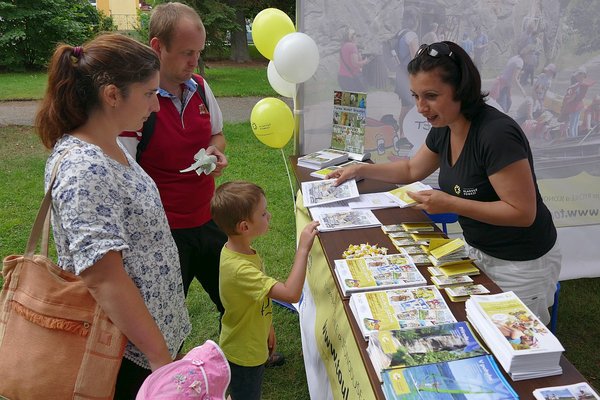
x=494, y=141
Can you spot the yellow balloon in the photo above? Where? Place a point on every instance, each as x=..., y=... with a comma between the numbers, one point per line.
x=270, y=25
x=272, y=122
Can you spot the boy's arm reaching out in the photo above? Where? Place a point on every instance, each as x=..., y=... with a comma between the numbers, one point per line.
x=291, y=290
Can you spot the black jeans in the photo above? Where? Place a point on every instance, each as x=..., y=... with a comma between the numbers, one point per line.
x=129, y=380
x=199, y=253
x=246, y=382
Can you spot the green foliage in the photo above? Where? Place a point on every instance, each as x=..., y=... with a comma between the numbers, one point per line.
x=142, y=26
x=31, y=29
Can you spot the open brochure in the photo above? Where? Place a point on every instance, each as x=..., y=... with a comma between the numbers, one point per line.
x=577, y=391
x=372, y=201
x=469, y=379
x=523, y=345
x=419, y=346
x=376, y=273
x=400, y=194
x=316, y=193
x=399, y=309
x=340, y=218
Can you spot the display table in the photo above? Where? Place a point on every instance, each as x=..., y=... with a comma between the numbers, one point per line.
x=336, y=361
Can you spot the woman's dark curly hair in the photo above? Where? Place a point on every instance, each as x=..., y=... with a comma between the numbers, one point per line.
x=457, y=70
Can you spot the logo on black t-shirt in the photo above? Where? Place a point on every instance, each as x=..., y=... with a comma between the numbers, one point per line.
x=457, y=189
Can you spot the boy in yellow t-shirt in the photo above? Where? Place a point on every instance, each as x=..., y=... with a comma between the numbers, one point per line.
x=247, y=336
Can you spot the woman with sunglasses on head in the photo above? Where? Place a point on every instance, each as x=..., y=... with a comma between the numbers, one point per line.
x=486, y=176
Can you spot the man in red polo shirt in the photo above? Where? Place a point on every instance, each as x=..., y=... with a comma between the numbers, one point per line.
x=183, y=126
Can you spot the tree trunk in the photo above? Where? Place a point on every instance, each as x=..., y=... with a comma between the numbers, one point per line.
x=239, y=45
x=201, y=68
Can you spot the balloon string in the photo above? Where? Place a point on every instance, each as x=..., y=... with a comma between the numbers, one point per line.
x=289, y=179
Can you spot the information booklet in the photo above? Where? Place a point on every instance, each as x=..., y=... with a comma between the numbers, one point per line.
x=349, y=121
x=317, y=193
x=444, y=251
x=420, y=346
x=409, y=227
x=418, y=227
x=334, y=219
x=462, y=293
x=577, y=391
x=323, y=172
x=475, y=378
x=399, y=309
x=442, y=281
x=400, y=194
x=524, y=347
x=376, y=273
x=372, y=201
x=322, y=158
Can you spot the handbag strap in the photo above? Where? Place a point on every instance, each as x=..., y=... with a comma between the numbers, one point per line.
x=42, y=220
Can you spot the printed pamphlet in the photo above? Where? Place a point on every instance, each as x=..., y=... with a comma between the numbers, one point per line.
x=469, y=379
x=376, y=273
x=399, y=309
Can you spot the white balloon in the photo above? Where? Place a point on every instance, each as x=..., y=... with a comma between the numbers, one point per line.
x=296, y=57
x=280, y=85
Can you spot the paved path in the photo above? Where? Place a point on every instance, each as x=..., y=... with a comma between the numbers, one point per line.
x=235, y=109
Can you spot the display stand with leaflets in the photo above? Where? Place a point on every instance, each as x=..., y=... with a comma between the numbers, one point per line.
x=336, y=360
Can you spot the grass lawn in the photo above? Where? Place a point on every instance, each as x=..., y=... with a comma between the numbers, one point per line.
x=225, y=80
x=21, y=190
x=22, y=85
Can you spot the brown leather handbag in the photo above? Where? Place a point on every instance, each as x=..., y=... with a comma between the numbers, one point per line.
x=55, y=340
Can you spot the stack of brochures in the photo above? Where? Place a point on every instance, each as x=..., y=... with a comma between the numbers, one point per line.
x=399, y=309
x=419, y=346
x=408, y=227
x=462, y=293
x=449, y=257
x=524, y=347
x=454, y=270
x=443, y=281
x=469, y=379
x=376, y=273
x=323, y=158
x=446, y=251
x=576, y=391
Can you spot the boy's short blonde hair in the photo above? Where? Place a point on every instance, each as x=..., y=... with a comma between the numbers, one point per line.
x=233, y=203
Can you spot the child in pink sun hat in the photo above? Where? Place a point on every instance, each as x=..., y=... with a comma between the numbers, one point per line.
x=203, y=373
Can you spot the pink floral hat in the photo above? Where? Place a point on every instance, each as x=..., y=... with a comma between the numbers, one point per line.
x=203, y=373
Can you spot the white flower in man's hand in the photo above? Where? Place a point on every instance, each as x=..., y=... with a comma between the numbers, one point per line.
x=205, y=163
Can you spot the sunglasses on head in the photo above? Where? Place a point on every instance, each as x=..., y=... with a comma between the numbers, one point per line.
x=435, y=50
